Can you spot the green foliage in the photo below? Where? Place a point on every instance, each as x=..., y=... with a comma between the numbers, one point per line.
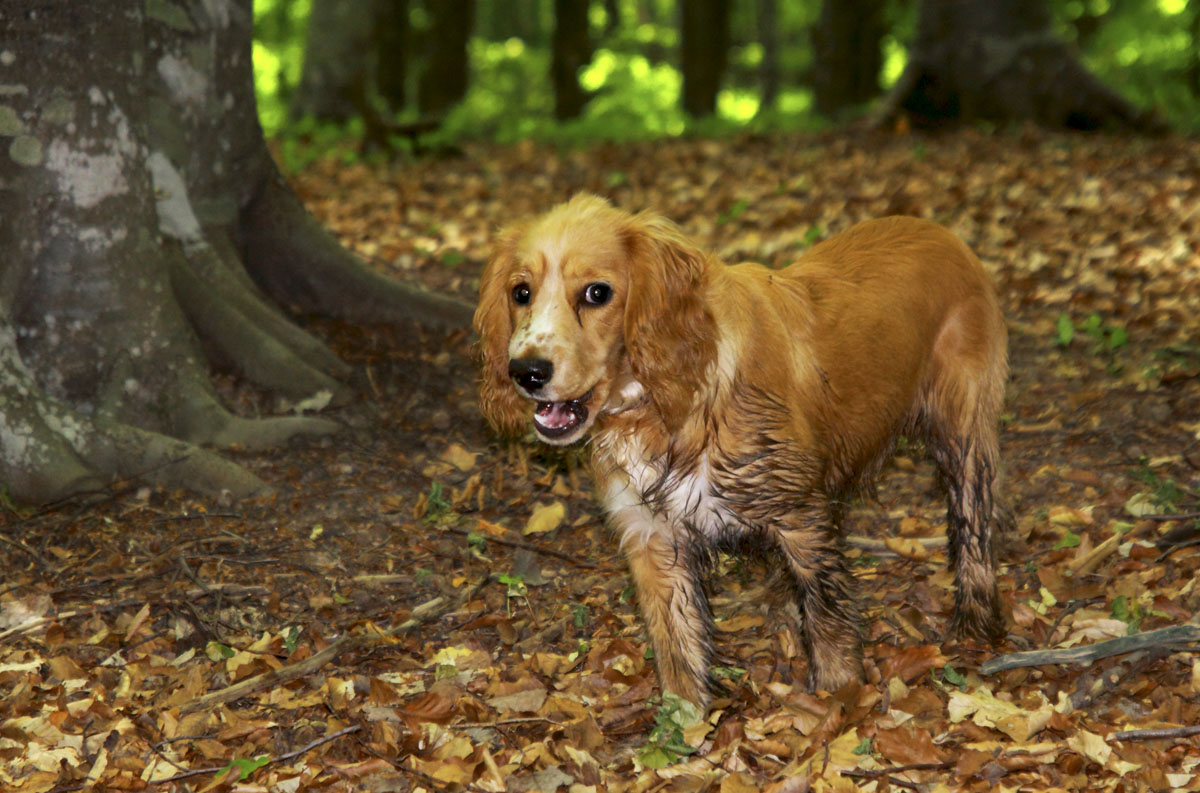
x=953, y=677
x=666, y=744
x=1145, y=50
x=1129, y=612
x=438, y=506
x=1164, y=493
x=1069, y=540
x=278, y=54
x=246, y=767
x=515, y=587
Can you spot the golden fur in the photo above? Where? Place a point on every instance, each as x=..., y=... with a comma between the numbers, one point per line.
x=735, y=406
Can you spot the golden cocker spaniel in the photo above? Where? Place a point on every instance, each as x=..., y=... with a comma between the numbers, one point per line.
x=735, y=407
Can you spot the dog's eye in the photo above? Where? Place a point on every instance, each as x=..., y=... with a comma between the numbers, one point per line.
x=597, y=294
x=521, y=294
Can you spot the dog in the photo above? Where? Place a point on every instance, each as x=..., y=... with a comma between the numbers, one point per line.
x=738, y=407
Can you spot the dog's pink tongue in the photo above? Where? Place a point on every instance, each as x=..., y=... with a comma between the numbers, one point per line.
x=555, y=415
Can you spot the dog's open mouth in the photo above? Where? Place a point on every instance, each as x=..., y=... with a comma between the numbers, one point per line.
x=559, y=419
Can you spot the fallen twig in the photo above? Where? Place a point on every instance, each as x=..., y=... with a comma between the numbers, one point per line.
x=1157, y=733
x=502, y=722
x=880, y=548
x=566, y=557
x=1174, y=638
x=274, y=677
x=281, y=758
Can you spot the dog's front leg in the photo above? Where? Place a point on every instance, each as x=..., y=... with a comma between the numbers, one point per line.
x=666, y=572
x=824, y=591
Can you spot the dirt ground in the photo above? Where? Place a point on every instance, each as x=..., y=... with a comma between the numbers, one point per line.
x=434, y=610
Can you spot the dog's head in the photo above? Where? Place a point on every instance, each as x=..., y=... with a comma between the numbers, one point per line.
x=587, y=311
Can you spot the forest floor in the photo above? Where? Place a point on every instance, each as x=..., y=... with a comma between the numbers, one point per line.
x=432, y=611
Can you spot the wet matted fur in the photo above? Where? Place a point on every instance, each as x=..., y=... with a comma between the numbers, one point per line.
x=734, y=404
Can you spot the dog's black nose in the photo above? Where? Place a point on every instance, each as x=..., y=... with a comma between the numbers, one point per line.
x=531, y=373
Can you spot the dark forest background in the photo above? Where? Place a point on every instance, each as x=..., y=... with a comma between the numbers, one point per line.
x=412, y=70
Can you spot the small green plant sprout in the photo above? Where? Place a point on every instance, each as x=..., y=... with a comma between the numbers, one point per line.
x=1106, y=338
x=291, y=638
x=813, y=235
x=953, y=677
x=728, y=672
x=580, y=613
x=1129, y=612
x=863, y=748
x=436, y=505
x=666, y=743
x=516, y=588
x=734, y=212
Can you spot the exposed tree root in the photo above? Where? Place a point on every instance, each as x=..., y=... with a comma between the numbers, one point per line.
x=298, y=263
x=254, y=352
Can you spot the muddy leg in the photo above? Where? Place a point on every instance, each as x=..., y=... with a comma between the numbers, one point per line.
x=666, y=574
x=968, y=469
x=824, y=592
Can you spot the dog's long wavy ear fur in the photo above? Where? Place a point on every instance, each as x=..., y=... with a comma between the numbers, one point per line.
x=670, y=335
x=502, y=406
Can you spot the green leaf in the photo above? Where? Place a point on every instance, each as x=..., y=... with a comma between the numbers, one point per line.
x=217, y=651
x=1118, y=337
x=1093, y=326
x=291, y=638
x=728, y=672
x=453, y=258
x=864, y=747
x=734, y=212
x=1069, y=540
x=954, y=677
x=1064, y=330
x=247, y=767
x=580, y=612
x=656, y=756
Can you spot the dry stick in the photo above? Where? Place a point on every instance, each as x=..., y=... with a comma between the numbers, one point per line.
x=566, y=557
x=1156, y=733
x=1174, y=638
x=880, y=548
x=280, y=759
x=1180, y=516
x=301, y=668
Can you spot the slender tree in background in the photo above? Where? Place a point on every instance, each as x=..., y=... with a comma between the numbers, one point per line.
x=394, y=42
x=767, y=22
x=571, y=50
x=1001, y=60
x=847, y=54
x=340, y=57
x=144, y=225
x=704, y=51
x=443, y=83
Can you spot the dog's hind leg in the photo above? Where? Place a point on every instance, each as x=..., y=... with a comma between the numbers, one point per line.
x=666, y=574
x=961, y=415
x=824, y=591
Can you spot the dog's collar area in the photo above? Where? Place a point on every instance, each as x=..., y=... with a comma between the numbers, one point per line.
x=558, y=419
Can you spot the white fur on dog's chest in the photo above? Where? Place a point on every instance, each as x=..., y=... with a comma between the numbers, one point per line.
x=641, y=503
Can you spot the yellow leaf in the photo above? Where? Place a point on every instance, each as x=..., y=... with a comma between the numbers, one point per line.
x=907, y=547
x=459, y=457
x=546, y=518
x=1014, y=721
x=1091, y=746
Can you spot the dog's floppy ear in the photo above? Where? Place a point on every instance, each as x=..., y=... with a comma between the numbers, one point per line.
x=669, y=332
x=502, y=406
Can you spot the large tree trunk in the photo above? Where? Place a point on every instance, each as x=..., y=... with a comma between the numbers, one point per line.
x=999, y=60
x=139, y=211
x=848, y=56
x=704, y=50
x=443, y=84
x=571, y=50
x=394, y=43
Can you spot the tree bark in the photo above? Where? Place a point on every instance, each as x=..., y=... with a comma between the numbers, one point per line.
x=704, y=50
x=1000, y=60
x=571, y=50
x=132, y=188
x=443, y=84
x=848, y=57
